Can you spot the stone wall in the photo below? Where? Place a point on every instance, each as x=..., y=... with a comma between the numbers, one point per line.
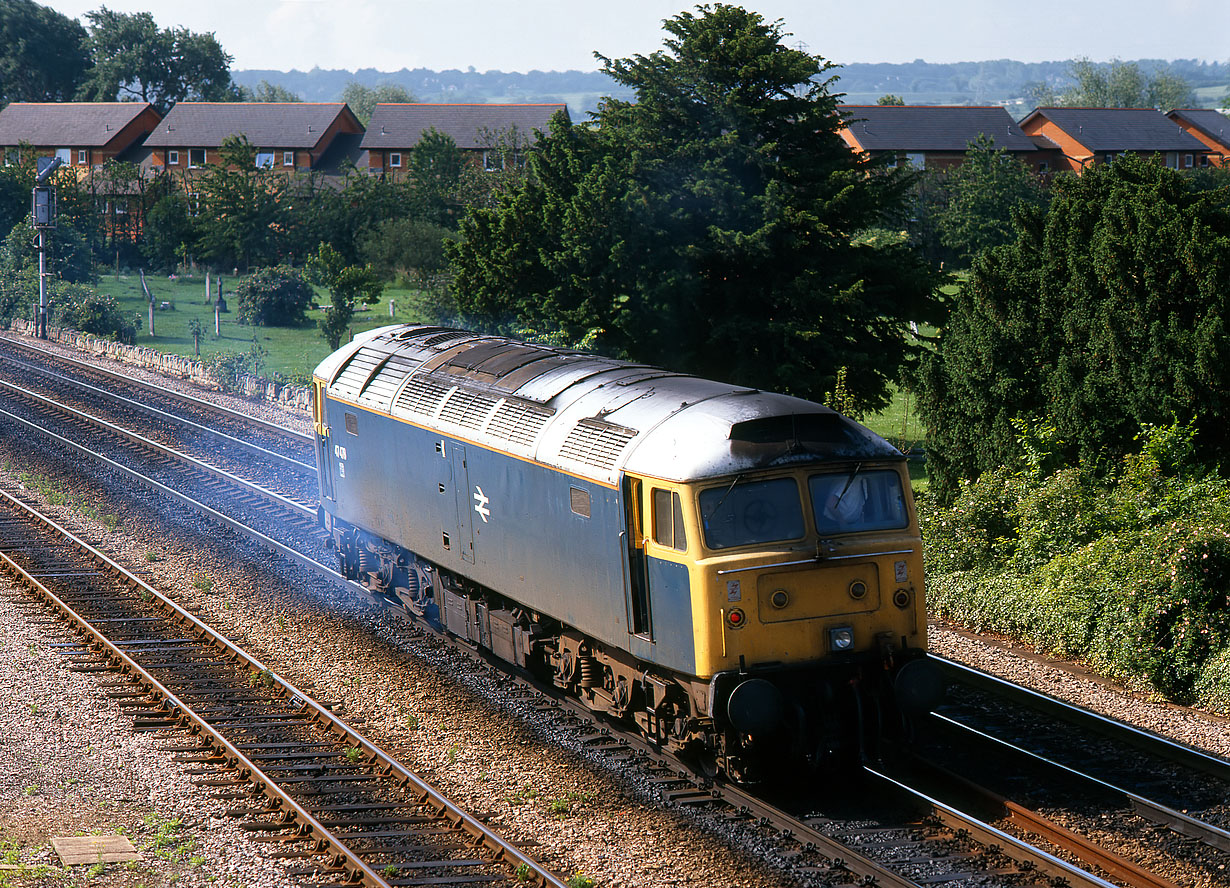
x=295, y=397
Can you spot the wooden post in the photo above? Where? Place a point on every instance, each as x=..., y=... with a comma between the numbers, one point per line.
x=150, y=297
x=209, y=293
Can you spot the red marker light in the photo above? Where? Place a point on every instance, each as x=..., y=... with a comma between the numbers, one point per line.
x=735, y=618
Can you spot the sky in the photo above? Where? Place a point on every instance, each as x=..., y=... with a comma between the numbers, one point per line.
x=551, y=35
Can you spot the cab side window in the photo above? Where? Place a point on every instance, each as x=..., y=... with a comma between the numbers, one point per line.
x=668, y=520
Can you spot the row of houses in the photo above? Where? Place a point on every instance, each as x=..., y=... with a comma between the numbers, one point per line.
x=328, y=137
x=289, y=136
x=1047, y=140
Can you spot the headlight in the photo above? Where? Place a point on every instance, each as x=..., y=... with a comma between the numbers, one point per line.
x=841, y=638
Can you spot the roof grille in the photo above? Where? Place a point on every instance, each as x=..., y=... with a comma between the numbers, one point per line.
x=422, y=396
x=349, y=383
x=387, y=379
x=467, y=409
x=447, y=336
x=518, y=422
x=596, y=443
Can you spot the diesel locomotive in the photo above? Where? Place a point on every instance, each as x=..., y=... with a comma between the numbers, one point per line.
x=737, y=572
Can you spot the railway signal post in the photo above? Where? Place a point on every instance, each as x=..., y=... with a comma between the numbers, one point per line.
x=43, y=212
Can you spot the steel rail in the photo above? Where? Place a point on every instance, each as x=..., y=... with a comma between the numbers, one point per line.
x=1184, y=824
x=200, y=465
x=1010, y=845
x=201, y=403
x=200, y=508
x=348, y=859
x=1171, y=750
x=183, y=422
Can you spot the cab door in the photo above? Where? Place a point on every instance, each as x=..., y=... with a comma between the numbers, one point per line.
x=668, y=586
x=640, y=616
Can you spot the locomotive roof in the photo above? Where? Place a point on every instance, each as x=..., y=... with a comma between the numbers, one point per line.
x=591, y=416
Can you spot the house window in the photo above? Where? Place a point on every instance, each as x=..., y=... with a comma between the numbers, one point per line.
x=264, y=160
x=491, y=161
x=196, y=157
x=1204, y=160
x=194, y=203
x=1110, y=157
x=1189, y=161
x=172, y=158
x=916, y=159
x=395, y=159
x=120, y=206
x=1172, y=159
x=288, y=158
x=1043, y=166
x=81, y=155
x=65, y=155
x=13, y=155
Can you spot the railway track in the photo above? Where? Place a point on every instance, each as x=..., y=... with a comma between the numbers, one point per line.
x=298, y=778
x=158, y=399
x=897, y=849
x=894, y=849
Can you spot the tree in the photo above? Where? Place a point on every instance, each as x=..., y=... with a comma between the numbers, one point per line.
x=195, y=329
x=364, y=99
x=982, y=194
x=1123, y=85
x=712, y=225
x=268, y=92
x=890, y=99
x=42, y=57
x=273, y=297
x=170, y=232
x=348, y=285
x=240, y=214
x=135, y=60
x=1108, y=311
x=435, y=167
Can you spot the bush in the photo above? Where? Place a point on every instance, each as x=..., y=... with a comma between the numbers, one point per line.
x=1129, y=573
x=274, y=297
x=398, y=247
x=88, y=311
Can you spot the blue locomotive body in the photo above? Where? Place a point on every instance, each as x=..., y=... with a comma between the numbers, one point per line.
x=735, y=571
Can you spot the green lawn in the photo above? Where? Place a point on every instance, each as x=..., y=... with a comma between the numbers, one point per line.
x=292, y=352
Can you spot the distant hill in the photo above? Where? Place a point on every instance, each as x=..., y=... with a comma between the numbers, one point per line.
x=1002, y=81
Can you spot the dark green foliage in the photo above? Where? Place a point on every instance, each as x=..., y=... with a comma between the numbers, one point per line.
x=890, y=99
x=398, y=247
x=435, y=166
x=982, y=193
x=169, y=232
x=274, y=297
x=136, y=60
x=1106, y=313
x=86, y=310
x=68, y=252
x=42, y=57
x=267, y=92
x=240, y=217
x=710, y=226
x=348, y=285
x=1118, y=84
x=1128, y=573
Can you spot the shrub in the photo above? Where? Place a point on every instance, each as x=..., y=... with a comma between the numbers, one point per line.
x=1129, y=573
x=274, y=297
x=88, y=311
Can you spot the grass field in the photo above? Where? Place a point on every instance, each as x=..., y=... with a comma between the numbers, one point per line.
x=291, y=352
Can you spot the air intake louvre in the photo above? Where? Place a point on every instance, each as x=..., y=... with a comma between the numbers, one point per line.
x=467, y=409
x=517, y=422
x=448, y=336
x=387, y=379
x=596, y=443
x=422, y=396
x=354, y=375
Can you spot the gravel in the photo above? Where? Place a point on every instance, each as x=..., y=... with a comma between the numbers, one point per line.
x=464, y=731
